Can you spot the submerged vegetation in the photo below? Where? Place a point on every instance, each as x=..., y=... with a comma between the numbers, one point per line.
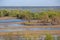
x=49, y=16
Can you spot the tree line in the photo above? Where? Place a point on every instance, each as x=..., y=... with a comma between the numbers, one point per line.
x=49, y=16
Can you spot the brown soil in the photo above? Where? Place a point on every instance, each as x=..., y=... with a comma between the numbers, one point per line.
x=5, y=18
x=43, y=32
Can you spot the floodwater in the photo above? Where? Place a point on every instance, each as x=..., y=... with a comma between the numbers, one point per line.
x=24, y=29
x=9, y=24
x=6, y=24
x=11, y=20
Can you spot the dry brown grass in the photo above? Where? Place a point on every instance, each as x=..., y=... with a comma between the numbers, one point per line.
x=5, y=18
x=43, y=32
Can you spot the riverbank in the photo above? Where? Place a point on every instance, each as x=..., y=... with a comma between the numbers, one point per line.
x=43, y=32
x=7, y=26
x=6, y=18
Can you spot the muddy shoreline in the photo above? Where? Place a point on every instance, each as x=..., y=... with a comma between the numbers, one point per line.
x=56, y=32
x=43, y=32
x=6, y=18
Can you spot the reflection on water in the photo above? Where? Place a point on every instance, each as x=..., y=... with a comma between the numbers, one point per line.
x=4, y=24
x=11, y=20
x=15, y=25
x=44, y=29
x=24, y=29
x=7, y=23
x=12, y=30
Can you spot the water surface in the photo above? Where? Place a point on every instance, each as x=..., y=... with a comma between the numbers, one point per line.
x=8, y=24
x=11, y=20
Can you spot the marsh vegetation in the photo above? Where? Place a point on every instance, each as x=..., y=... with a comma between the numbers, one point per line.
x=49, y=16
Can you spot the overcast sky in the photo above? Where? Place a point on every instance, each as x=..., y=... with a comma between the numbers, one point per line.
x=29, y=2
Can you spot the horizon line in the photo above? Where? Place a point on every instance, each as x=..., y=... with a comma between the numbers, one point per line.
x=19, y=6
